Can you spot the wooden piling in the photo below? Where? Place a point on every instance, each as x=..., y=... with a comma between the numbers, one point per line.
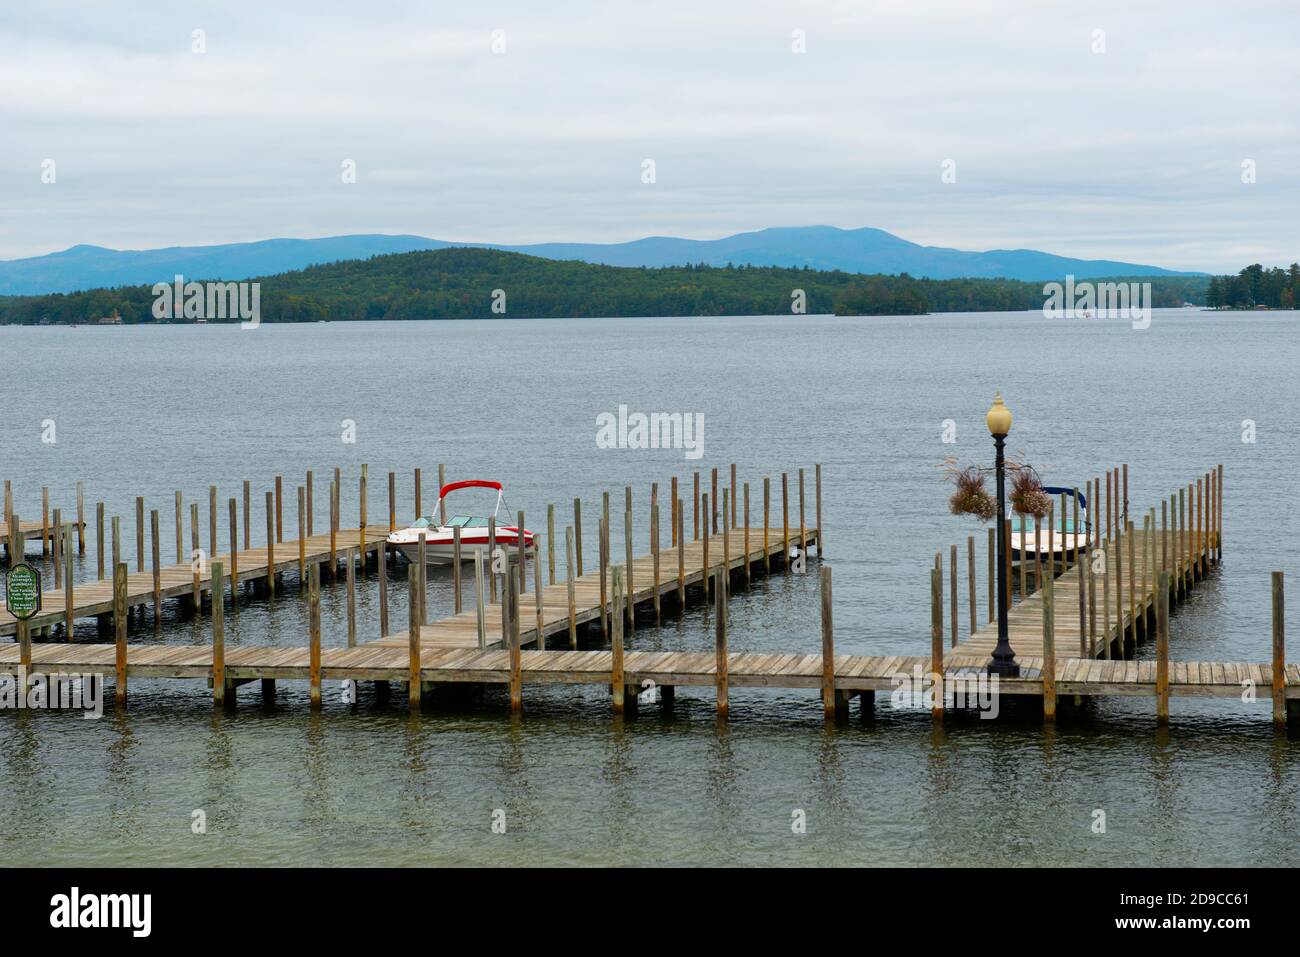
x=711, y=517
x=419, y=505
x=828, y=646
x=69, y=602
x=1219, y=523
x=1105, y=598
x=392, y=502
x=631, y=588
x=695, y=509
x=139, y=533
x=550, y=544
x=455, y=567
x=617, y=676
x=1162, y=651
x=821, y=540
x=704, y=545
x=218, y=635
x=767, y=520
x=803, y=529
x=1049, y=649
x=248, y=513
x=234, y=555
x=422, y=589
x=521, y=550
x=727, y=507
x=1119, y=589
x=720, y=646
x=602, y=535
x=1279, y=651
x=302, y=538
x=516, y=675
x=654, y=554
x=56, y=548
x=81, y=519
x=334, y=530
x=681, y=557
x=363, y=499
x=119, y=626
x=748, y=563
x=936, y=641
x=479, y=602
x=270, y=543
x=992, y=573
x=381, y=566
x=1006, y=562
x=1038, y=552
x=952, y=593
x=1132, y=585
x=156, y=548
x=577, y=533
x=569, y=587
x=196, y=556
x=1082, y=563
x=970, y=580
x=733, y=499
x=538, y=604
x=442, y=506
x=116, y=526
x=351, y=578
x=313, y=632
x=675, y=503
x=785, y=520
x=413, y=627
x=99, y=540
x=492, y=558
x=279, y=511
x=212, y=522
x=1164, y=535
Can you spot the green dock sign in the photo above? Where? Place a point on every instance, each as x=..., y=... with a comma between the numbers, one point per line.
x=23, y=591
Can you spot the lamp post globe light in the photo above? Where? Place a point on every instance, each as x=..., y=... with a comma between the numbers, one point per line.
x=999, y=423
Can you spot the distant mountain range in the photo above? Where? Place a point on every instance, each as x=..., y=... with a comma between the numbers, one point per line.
x=864, y=250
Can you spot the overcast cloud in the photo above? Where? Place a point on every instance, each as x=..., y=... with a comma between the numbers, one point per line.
x=1135, y=153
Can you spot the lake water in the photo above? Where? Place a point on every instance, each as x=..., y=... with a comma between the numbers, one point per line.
x=145, y=411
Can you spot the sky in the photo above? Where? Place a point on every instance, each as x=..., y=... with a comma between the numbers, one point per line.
x=1097, y=130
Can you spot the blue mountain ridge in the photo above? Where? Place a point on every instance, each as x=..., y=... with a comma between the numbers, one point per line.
x=864, y=250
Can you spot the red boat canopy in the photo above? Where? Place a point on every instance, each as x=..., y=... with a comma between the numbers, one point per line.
x=468, y=483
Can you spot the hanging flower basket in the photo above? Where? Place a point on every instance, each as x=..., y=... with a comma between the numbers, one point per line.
x=1027, y=496
x=971, y=497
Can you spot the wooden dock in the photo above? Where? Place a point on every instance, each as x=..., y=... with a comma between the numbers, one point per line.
x=1099, y=605
x=462, y=630
x=191, y=582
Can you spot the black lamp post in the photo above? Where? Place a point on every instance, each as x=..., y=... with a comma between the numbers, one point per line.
x=999, y=423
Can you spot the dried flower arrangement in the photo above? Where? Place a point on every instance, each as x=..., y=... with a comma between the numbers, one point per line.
x=1027, y=495
x=971, y=497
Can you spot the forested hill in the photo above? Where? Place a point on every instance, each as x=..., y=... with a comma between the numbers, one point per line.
x=462, y=283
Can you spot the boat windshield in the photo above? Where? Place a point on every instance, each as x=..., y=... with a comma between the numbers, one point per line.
x=423, y=523
x=467, y=521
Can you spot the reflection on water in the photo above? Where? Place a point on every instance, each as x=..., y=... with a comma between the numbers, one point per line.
x=370, y=783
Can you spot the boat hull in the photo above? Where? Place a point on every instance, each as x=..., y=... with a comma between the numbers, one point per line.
x=441, y=551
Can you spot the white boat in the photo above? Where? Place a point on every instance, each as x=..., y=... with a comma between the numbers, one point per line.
x=474, y=531
x=1064, y=539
